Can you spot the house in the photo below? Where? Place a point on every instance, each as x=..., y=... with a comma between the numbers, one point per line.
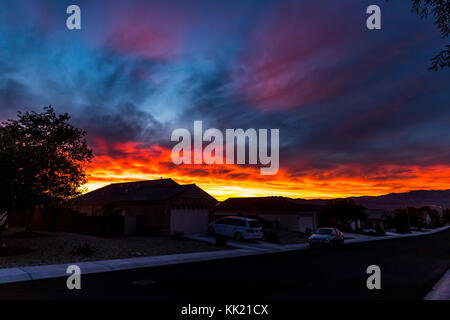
x=280, y=212
x=424, y=217
x=378, y=217
x=156, y=206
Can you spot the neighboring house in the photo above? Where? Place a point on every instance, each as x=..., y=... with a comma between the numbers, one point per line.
x=157, y=206
x=436, y=215
x=282, y=213
x=378, y=217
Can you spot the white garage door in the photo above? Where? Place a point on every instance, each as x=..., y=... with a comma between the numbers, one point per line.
x=305, y=223
x=188, y=221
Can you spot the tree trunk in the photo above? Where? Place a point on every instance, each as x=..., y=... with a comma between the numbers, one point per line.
x=2, y=227
x=30, y=219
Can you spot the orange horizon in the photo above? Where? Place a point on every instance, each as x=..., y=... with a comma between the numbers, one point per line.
x=138, y=162
x=222, y=193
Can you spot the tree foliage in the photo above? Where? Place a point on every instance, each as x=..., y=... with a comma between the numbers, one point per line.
x=343, y=210
x=42, y=159
x=440, y=10
x=446, y=216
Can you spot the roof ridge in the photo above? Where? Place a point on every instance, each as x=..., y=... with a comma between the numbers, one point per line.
x=129, y=182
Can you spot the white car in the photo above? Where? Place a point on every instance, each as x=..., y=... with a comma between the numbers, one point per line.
x=239, y=228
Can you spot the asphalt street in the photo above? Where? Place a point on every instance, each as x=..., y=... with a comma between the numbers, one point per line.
x=409, y=269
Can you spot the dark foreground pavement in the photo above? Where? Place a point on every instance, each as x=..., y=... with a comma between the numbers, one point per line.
x=409, y=269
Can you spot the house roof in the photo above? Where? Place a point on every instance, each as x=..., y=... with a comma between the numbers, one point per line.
x=263, y=204
x=151, y=190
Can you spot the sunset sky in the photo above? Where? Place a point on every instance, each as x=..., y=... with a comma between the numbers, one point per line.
x=359, y=113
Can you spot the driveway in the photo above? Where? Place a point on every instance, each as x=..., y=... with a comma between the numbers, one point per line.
x=256, y=245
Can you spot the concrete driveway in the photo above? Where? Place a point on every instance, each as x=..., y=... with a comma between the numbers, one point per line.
x=256, y=245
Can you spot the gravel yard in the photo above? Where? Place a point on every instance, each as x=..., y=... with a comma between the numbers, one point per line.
x=289, y=237
x=57, y=247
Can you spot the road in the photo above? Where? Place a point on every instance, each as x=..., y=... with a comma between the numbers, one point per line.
x=409, y=269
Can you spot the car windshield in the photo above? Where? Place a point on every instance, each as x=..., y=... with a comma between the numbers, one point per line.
x=323, y=231
x=254, y=224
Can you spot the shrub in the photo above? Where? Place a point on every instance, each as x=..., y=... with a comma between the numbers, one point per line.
x=84, y=250
x=379, y=229
x=270, y=236
x=221, y=241
x=178, y=235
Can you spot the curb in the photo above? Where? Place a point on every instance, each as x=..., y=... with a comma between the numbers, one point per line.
x=441, y=290
x=19, y=274
x=398, y=236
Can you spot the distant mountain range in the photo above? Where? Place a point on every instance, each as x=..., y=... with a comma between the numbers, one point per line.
x=419, y=198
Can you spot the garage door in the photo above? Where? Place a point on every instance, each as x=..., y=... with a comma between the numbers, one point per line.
x=305, y=223
x=189, y=221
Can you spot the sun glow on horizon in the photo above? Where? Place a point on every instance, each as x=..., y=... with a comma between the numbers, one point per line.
x=306, y=187
x=139, y=162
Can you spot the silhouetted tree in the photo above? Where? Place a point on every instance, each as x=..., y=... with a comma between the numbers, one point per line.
x=411, y=217
x=435, y=217
x=43, y=158
x=9, y=168
x=440, y=10
x=446, y=216
x=3, y=222
x=343, y=210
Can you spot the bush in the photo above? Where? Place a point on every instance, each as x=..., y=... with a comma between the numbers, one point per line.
x=400, y=222
x=221, y=241
x=379, y=229
x=403, y=229
x=178, y=235
x=270, y=236
x=84, y=250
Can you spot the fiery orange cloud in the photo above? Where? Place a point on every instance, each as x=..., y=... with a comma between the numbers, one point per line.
x=135, y=161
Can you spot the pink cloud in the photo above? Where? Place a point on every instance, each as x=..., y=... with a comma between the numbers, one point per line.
x=287, y=57
x=147, y=30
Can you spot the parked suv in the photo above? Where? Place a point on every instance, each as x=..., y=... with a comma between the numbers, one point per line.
x=239, y=228
x=326, y=237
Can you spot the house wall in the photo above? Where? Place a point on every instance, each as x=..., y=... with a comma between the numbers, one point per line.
x=155, y=218
x=287, y=221
x=149, y=218
x=292, y=222
x=129, y=226
x=189, y=221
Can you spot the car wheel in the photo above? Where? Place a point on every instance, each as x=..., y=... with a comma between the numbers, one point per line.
x=211, y=231
x=311, y=246
x=238, y=236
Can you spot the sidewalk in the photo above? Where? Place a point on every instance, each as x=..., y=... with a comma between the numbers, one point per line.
x=355, y=238
x=244, y=249
x=59, y=270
